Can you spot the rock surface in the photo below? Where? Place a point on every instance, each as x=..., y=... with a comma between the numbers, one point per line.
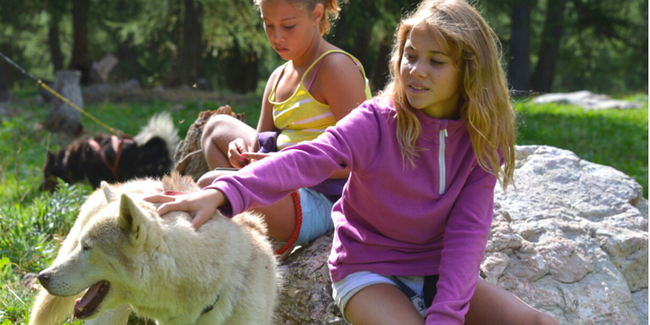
x=570, y=240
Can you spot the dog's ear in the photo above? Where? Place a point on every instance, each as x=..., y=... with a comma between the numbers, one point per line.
x=132, y=219
x=109, y=193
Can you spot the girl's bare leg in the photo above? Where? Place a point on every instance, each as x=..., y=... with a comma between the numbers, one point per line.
x=382, y=304
x=493, y=305
x=218, y=132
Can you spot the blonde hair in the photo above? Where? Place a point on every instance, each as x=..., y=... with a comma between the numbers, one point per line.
x=331, y=10
x=484, y=101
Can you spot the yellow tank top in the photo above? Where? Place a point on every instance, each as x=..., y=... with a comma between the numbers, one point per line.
x=301, y=117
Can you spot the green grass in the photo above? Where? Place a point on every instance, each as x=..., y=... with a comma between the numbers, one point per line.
x=617, y=138
x=32, y=223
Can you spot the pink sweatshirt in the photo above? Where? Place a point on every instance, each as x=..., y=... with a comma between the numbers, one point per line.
x=392, y=219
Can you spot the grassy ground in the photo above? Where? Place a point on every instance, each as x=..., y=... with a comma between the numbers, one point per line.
x=32, y=223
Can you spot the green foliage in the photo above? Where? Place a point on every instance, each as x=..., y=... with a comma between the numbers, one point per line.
x=29, y=238
x=604, y=48
x=15, y=302
x=30, y=233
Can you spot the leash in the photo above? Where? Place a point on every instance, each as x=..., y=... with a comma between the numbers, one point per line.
x=59, y=96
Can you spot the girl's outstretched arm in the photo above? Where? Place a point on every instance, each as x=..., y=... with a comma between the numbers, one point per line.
x=200, y=205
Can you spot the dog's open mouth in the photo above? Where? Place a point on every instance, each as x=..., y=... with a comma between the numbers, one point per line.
x=87, y=305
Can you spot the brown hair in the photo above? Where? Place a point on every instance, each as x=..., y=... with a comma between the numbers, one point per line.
x=485, y=102
x=331, y=11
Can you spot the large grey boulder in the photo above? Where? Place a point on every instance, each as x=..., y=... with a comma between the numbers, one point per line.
x=570, y=240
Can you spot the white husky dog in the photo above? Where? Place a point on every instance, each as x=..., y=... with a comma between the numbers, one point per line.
x=127, y=256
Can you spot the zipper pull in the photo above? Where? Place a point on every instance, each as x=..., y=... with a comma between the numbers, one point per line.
x=441, y=162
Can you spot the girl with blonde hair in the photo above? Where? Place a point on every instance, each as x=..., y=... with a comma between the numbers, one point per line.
x=317, y=86
x=424, y=158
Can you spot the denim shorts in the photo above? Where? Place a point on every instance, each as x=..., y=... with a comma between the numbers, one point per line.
x=316, y=215
x=342, y=291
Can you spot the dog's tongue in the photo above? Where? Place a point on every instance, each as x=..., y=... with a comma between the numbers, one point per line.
x=88, y=297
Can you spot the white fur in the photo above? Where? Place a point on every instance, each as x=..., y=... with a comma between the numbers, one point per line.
x=158, y=265
x=160, y=125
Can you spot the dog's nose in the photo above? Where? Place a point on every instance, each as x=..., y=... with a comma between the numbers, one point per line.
x=44, y=279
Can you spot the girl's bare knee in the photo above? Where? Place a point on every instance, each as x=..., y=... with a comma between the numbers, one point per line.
x=541, y=318
x=215, y=122
x=206, y=179
x=202, y=182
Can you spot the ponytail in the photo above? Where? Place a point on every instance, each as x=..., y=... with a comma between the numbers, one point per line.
x=331, y=10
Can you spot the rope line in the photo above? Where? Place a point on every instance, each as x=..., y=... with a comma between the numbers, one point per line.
x=81, y=110
x=59, y=96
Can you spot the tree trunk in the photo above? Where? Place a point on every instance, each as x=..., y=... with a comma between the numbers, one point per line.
x=307, y=299
x=80, y=60
x=5, y=95
x=542, y=79
x=361, y=44
x=519, y=68
x=191, y=43
x=380, y=70
x=338, y=34
x=62, y=117
x=128, y=67
x=241, y=69
x=55, y=45
x=8, y=72
x=53, y=34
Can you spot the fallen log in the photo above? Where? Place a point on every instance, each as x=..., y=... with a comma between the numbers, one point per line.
x=188, y=159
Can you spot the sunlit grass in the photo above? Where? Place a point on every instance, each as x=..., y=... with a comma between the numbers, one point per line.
x=617, y=138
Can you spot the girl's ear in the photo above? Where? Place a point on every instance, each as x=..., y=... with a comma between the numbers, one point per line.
x=317, y=15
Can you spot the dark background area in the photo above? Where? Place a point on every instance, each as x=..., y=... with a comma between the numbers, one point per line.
x=549, y=45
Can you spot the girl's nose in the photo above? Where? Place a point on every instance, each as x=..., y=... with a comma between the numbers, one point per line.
x=417, y=70
x=277, y=36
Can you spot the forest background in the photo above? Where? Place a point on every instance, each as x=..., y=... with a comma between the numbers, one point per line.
x=549, y=45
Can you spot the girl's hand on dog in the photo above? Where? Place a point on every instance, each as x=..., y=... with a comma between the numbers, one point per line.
x=200, y=205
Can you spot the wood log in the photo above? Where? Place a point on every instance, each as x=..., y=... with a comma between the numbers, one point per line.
x=306, y=297
x=189, y=158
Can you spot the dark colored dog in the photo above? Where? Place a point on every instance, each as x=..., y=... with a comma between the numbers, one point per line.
x=107, y=158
